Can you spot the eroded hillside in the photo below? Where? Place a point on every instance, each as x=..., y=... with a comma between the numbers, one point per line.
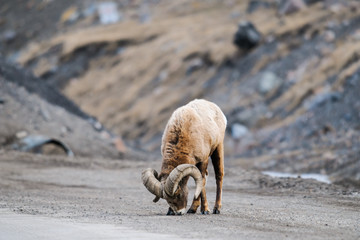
x=296, y=92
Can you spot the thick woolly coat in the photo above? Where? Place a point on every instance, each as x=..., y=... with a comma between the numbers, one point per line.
x=191, y=135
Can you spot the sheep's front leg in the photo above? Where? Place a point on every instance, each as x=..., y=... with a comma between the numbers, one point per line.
x=202, y=197
x=194, y=206
x=217, y=159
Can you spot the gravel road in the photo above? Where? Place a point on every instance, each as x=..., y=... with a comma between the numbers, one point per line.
x=53, y=195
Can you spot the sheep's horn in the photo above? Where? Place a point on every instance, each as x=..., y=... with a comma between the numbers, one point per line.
x=181, y=171
x=151, y=182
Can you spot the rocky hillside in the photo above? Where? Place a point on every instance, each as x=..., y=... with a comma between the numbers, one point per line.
x=294, y=95
x=36, y=117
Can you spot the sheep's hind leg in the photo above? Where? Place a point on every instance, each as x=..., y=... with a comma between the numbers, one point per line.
x=204, y=203
x=217, y=159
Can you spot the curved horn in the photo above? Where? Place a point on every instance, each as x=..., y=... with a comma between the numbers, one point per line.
x=151, y=182
x=181, y=171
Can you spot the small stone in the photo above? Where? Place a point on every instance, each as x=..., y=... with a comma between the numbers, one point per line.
x=269, y=82
x=70, y=15
x=194, y=65
x=89, y=11
x=9, y=35
x=97, y=126
x=105, y=134
x=21, y=134
x=238, y=130
x=291, y=6
x=329, y=36
x=321, y=99
x=64, y=130
x=356, y=35
x=108, y=13
x=119, y=144
x=255, y=5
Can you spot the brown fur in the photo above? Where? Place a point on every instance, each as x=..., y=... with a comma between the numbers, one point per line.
x=194, y=133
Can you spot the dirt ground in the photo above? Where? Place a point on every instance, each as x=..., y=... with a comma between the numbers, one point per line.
x=86, y=71
x=104, y=191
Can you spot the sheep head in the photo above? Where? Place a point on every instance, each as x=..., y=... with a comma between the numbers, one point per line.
x=173, y=189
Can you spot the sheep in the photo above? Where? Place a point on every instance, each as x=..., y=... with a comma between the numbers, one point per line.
x=193, y=133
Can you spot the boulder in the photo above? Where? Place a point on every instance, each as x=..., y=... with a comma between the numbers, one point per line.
x=247, y=36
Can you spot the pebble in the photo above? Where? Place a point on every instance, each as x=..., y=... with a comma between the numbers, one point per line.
x=21, y=134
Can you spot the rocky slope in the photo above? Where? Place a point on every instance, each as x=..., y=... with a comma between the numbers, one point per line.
x=296, y=92
x=30, y=108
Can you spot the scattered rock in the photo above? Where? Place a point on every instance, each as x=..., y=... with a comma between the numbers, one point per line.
x=254, y=5
x=21, y=134
x=310, y=2
x=269, y=82
x=45, y=113
x=320, y=99
x=70, y=15
x=291, y=6
x=144, y=13
x=8, y=36
x=247, y=36
x=356, y=35
x=108, y=13
x=45, y=66
x=96, y=124
x=89, y=11
x=336, y=8
x=329, y=36
x=119, y=145
x=64, y=130
x=250, y=116
x=194, y=65
x=238, y=131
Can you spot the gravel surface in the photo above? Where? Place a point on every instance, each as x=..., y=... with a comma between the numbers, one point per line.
x=110, y=192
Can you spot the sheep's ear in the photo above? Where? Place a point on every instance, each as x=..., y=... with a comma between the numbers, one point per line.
x=156, y=199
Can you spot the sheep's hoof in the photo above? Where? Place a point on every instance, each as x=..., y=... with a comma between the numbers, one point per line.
x=207, y=212
x=191, y=211
x=170, y=212
x=216, y=211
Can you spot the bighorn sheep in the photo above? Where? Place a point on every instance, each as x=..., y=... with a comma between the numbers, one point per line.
x=194, y=133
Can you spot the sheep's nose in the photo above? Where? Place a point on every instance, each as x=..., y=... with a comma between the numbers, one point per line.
x=181, y=211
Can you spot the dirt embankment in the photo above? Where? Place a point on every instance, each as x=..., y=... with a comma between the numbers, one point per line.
x=181, y=60
x=31, y=108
